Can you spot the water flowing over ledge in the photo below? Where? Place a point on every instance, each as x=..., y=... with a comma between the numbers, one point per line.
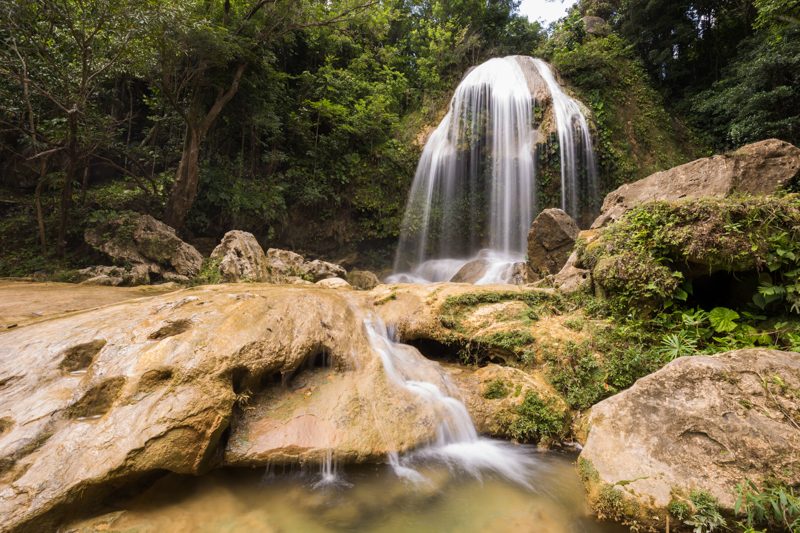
x=475, y=187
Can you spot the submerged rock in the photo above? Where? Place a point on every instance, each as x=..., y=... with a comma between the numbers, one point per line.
x=134, y=238
x=241, y=258
x=550, y=241
x=701, y=422
x=757, y=169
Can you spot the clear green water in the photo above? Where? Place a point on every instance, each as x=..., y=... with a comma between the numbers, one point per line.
x=373, y=500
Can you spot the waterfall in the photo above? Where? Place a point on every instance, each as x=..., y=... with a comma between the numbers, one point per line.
x=475, y=186
x=578, y=165
x=457, y=442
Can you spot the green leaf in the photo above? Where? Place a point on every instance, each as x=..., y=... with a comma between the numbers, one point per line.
x=723, y=320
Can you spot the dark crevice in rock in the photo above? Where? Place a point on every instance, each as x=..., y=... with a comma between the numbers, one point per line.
x=81, y=356
x=153, y=379
x=170, y=329
x=438, y=351
x=723, y=289
x=97, y=400
x=5, y=424
x=7, y=462
x=4, y=382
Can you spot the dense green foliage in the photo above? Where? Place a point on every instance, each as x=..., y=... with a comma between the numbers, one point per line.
x=296, y=120
x=301, y=120
x=729, y=67
x=650, y=257
x=635, y=135
x=775, y=507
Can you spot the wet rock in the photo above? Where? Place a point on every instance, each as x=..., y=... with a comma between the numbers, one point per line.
x=363, y=279
x=241, y=258
x=702, y=422
x=471, y=272
x=152, y=384
x=757, y=169
x=493, y=393
x=134, y=238
x=518, y=273
x=550, y=241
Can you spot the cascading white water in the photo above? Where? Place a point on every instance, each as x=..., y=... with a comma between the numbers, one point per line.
x=475, y=185
x=457, y=442
x=578, y=165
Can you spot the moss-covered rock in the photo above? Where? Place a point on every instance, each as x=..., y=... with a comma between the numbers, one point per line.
x=654, y=252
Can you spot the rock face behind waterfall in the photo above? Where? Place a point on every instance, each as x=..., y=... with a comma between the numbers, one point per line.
x=96, y=399
x=699, y=423
x=550, y=241
x=759, y=168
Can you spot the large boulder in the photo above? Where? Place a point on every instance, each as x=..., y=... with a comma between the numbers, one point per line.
x=318, y=270
x=93, y=400
x=756, y=169
x=287, y=267
x=241, y=258
x=137, y=239
x=550, y=241
x=700, y=423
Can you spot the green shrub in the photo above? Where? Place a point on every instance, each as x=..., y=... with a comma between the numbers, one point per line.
x=495, y=390
x=776, y=507
x=537, y=419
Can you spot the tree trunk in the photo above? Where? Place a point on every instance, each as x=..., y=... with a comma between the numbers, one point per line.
x=84, y=183
x=69, y=178
x=37, y=200
x=184, y=190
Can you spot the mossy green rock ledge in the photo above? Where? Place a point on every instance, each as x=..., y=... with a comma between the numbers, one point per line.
x=698, y=424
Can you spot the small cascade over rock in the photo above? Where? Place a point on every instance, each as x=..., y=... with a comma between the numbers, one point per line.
x=457, y=442
x=475, y=189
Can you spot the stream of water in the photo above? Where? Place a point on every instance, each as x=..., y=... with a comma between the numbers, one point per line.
x=369, y=499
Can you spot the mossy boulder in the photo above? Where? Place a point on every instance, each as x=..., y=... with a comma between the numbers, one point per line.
x=760, y=168
x=130, y=238
x=654, y=252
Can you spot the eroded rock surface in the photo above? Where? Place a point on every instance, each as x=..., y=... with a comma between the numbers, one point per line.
x=759, y=168
x=699, y=423
x=98, y=398
x=363, y=279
